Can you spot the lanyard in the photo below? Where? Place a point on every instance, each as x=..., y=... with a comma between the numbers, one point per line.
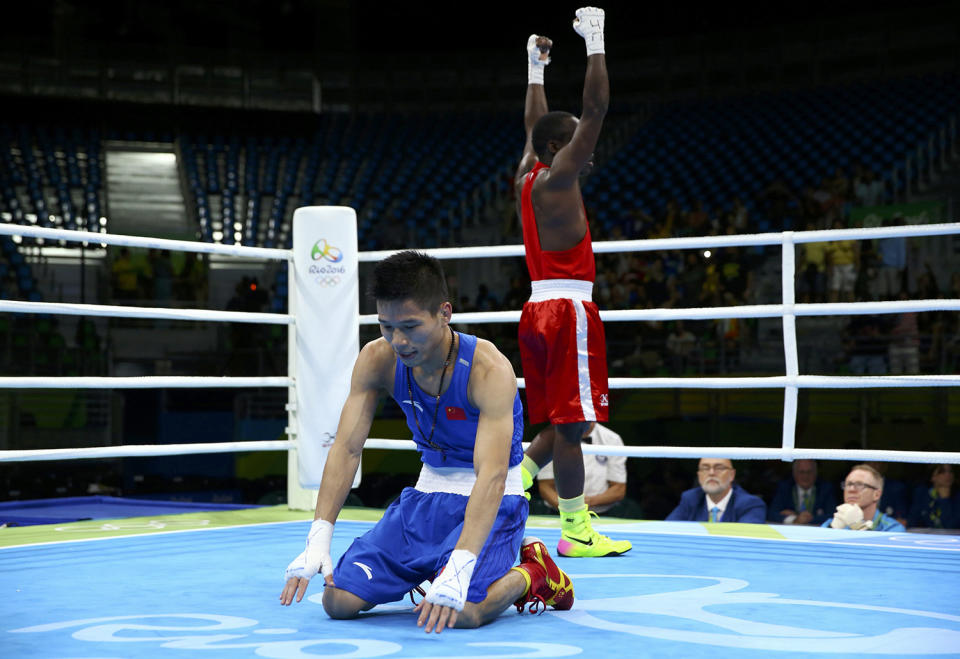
x=436, y=408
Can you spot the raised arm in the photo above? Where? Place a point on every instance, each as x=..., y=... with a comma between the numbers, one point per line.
x=572, y=158
x=535, y=106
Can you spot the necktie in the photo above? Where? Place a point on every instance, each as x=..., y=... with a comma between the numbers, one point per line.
x=714, y=514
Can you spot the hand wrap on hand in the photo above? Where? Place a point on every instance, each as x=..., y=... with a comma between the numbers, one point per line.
x=451, y=585
x=316, y=557
x=536, y=61
x=589, y=25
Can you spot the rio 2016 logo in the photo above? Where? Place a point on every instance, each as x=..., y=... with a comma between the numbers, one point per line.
x=326, y=274
x=324, y=250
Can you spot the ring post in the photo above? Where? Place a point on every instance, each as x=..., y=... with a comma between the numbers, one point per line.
x=324, y=342
x=791, y=359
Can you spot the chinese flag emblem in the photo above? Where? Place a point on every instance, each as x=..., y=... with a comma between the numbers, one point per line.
x=456, y=414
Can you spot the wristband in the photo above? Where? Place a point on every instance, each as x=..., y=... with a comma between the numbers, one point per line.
x=535, y=74
x=535, y=65
x=451, y=585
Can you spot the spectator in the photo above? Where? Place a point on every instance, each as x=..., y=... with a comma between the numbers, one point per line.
x=839, y=185
x=938, y=506
x=866, y=346
x=862, y=489
x=668, y=222
x=124, y=277
x=646, y=355
x=691, y=279
x=775, y=201
x=831, y=206
x=735, y=274
x=739, y=216
x=697, y=220
x=891, y=266
x=804, y=498
x=843, y=261
x=813, y=269
x=904, y=348
x=655, y=283
x=605, y=476
x=869, y=190
x=681, y=346
x=927, y=286
x=950, y=332
x=516, y=295
x=893, y=502
x=811, y=210
x=191, y=284
x=718, y=499
x=485, y=301
x=162, y=276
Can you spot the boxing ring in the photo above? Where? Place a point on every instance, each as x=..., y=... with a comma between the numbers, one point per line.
x=184, y=586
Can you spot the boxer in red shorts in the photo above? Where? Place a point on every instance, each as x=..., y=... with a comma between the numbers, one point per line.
x=562, y=343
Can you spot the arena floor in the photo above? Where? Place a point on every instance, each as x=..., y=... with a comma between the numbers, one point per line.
x=207, y=584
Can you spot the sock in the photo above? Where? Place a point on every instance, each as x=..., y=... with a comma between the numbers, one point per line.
x=532, y=468
x=574, y=505
x=526, y=578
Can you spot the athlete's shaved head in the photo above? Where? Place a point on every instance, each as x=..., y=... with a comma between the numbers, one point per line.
x=556, y=126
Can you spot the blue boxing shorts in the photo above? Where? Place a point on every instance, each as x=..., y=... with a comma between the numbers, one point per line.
x=413, y=541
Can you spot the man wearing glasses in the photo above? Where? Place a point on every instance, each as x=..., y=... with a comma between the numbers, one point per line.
x=718, y=499
x=862, y=490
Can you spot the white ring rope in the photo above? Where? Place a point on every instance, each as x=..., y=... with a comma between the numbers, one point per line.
x=693, y=242
x=72, y=309
x=715, y=313
x=143, y=382
x=141, y=241
x=861, y=455
x=781, y=381
x=733, y=453
x=746, y=382
x=790, y=382
x=143, y=450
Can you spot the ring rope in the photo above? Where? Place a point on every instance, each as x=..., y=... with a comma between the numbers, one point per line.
x=143, y=382
x=142, y=241
x=745, y=382
x=737, y=453
x=115, y=311
x=693, y=242
x=143, y=450
x=715, y=313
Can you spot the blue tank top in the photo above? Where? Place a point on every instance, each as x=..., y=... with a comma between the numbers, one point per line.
x=456, y=431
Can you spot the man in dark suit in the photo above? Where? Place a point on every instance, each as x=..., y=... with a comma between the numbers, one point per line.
x=803, y=499
x=718, y=499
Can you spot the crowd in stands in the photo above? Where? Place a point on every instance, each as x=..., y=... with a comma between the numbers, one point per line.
x=156, y=276
x=837, y=271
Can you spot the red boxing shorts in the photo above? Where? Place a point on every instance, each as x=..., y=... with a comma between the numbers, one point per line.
x=564, y=354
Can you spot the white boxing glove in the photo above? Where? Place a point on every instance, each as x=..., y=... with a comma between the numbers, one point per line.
x=538, y=56
x=451, y=585
x=315, y=559
x=850, y=516
x=589, y=25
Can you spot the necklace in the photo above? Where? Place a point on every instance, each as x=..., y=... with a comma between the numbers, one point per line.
x=436, y=408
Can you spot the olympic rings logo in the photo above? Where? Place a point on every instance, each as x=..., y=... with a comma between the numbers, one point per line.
x=327, y=280
x=324, y=250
